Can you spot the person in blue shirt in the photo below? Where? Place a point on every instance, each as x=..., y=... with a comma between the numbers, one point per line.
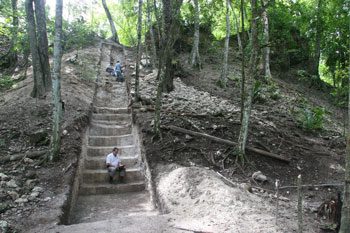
x=118, y=68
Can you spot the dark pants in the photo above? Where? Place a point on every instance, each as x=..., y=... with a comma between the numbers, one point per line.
x=110, y=70
x=112, y=170
x=120, y=76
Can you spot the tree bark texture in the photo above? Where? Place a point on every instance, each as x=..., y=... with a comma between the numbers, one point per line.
x=39, y=47
x=195, y=60
x=242, y=63
x=115, y=37
x=57, y=110
x=158, y=20
x=345, y=213
x=138, y=55
x=237, y=29
x=223, y=76
x=265, y=40
x=153, y=43
x=316, y=58
x=11, y=59
x=171, y=12
x=243, y=134
x=170, y=32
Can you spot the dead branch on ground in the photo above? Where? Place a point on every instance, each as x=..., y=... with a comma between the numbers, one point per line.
x=231, y=143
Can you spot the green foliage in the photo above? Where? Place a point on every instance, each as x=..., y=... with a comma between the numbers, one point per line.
x=2, y=142
x=275, y=94
x=259, y=88
x=6, y=82
x=77, y=34
x=311, y=120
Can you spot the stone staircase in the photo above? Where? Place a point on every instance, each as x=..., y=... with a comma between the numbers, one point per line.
x=111, y=126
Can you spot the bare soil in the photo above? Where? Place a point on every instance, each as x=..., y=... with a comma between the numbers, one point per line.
x=317, y=156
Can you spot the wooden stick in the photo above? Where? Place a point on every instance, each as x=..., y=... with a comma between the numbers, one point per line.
x=31, y=155
x=277, y=184
x=312, y=185
x=300, y=206
x=231, y=143
x=173, y=112
x=195, y=231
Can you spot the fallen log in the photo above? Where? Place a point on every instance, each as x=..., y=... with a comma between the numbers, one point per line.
x=31, y=155
x=152, y=109
x=231, y=143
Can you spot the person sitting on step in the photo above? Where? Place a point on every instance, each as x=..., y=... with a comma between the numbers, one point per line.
x=110, y=69
x=114, y=164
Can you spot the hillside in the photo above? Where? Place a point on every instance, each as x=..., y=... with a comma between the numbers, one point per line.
x=33, y=193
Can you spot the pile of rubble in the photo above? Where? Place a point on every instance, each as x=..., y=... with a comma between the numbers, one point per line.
x=185, y=98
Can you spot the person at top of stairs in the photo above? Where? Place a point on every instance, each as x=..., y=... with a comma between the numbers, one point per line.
x=114, y=164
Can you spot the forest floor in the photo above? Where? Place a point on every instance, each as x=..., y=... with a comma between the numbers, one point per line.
x=184, y=167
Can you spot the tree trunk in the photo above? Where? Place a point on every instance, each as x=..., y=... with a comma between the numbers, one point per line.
x=196, y=61
x=57, y=110
x=345, y=214
x=171, y=10
x=159, y=26
x=265, y=40
x=171, y=24
x=316, y=59
x=13, y=51
x=153, y=44
x=115, y=37
x=138, y=56
x=243, y=63
x=246, y=18
x=223, y=76
x=38, y=44
x=43, y=46
x=243, y=134
x=237, y=29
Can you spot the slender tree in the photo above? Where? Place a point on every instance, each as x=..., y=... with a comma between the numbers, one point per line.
x=36, y=23
x=115, y=37
x=223, y=76
x=243, y=62
x=171, y=11
x=345, y=214
x=153, y=44
x=237, y=29
x=57, y=110
x=12, y=56
x=318, y=33
x=243, y=134
x=195, y=60
x=158, y=22
x=265, y=61
x=138, y=56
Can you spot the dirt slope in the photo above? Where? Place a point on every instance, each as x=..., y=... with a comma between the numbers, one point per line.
x=31, y=193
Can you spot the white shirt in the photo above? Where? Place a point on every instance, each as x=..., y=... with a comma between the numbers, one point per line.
x=113, y=160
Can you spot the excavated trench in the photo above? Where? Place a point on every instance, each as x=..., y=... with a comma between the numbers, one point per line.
x=91, y=197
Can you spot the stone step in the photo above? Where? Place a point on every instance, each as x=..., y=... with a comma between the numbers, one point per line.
x=106, y=188
x=128, y=150
x=111, y=117
x=124, y=140
x=102, y=109
x=111, y=123
x=97, y=129
x=129, y=223
x=99, y=162
x=101, y=176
